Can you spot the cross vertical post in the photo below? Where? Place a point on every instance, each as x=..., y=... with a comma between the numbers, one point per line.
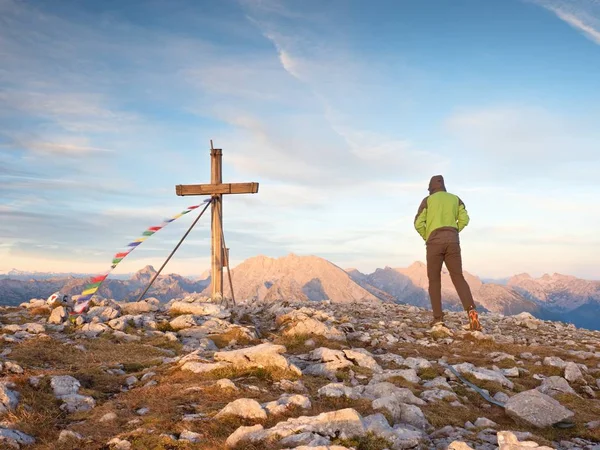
x=216, y=177
x=216, y=189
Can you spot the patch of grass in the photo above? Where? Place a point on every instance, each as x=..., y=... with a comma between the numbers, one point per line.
x=175, y=312
x=268, y=374
x=431, y=372
x=441, y=414
x=326, y=404
x=549, y=371
x=40, y=311
x=491, y=386
x=164, y=326
x=157, y=442
x=47, y=353
x=165, y=343
x=296, y=344
x=97, y=383
x=342, y=375
x=585, y=410
x=506, y=364
x=38, y=412
x=368, y=442
x=134, y=367
x=233, y=334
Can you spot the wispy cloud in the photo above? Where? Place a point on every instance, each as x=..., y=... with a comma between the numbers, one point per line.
x=525, y=140
x=583, y=15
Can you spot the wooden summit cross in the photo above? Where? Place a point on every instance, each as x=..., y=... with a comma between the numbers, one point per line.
x=216, y=189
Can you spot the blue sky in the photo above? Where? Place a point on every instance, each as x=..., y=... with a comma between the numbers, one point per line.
x=342, y=110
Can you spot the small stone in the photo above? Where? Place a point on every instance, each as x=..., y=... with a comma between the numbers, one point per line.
x=130, y=381
x=73, y=403
x=286, y=402
x=35, y=381
x=108, y=417
x=9, y=435
x=484, y=422
x=513, y=372
x=147, y=376
x=501, y=397
x=64, y=385
x=142, y=411
x=119, y=444
x=459, y=445
x=68, y=435
x=9, y=399
x=593, y=425
x=225, y=383
x=190, y=436
x=13, y=367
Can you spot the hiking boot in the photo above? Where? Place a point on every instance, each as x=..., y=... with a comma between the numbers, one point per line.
x=437, y=323
x=474, y=324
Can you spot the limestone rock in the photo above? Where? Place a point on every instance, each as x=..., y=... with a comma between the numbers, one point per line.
x=9, y=435
x=554, y=361
x=537, y=409
x=92, y=329
x=484, y=422
x=34, y=328
x=436, y=395
x=244, y=408
x=200, y=367
x=184, y=321
x=484, y=374
x=58, y=315
x=555, y=385
x=385, y=389
x=286, y=402
x=77, y=403
x=263, y=355
x=225, y=383
x=68, y=435
x=409, y=375
x=573, y=372
x=362, y=358
x=119, y=444
x=190, y=436
x=9, y=399
x=301, y=324
x=339, y=390
x=138, y=307
x=458, y=445
x=200, y=309
x=400, y=437
x=509, y=441
x=64, y=385
x=251, y=434
x=417, y=363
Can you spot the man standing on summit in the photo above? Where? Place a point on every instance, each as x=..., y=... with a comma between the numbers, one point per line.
x=440, y=218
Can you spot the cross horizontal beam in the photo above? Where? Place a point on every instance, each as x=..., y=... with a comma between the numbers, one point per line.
x=216, y=189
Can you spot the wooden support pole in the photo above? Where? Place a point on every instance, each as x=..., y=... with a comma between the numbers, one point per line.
x=216, y=177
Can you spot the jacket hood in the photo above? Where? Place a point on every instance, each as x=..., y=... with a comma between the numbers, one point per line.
x=436, y=184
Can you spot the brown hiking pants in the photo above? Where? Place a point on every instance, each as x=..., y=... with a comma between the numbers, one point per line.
x=448, y=253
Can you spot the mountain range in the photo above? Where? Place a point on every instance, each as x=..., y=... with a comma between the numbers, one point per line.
x=310, y=278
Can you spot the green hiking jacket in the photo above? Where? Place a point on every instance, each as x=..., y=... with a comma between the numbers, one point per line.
x=441, y=215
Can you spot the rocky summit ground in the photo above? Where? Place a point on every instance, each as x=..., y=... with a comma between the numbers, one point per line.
x=191, y=374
